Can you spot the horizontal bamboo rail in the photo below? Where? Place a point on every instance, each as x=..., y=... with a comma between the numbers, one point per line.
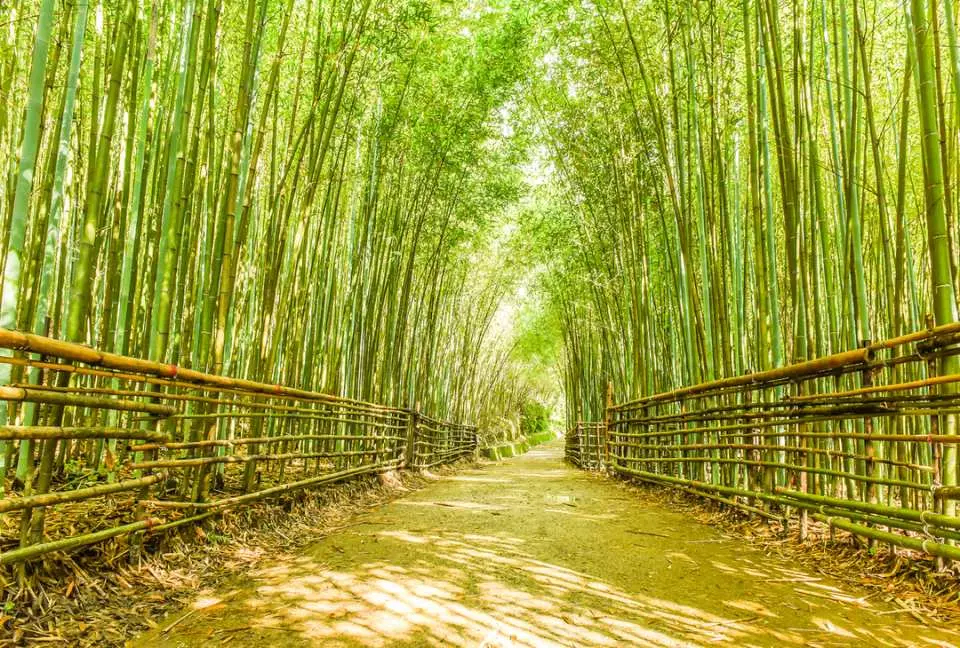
x=839, y=361
x=854, y=440
x=30, y=552
x=50, y=347
x=8, y=432
x=50, y=499
x=265, y=493
x=179, y=440
x=52, y=398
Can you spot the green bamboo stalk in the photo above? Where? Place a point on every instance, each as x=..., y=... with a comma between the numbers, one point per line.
x=944, y=300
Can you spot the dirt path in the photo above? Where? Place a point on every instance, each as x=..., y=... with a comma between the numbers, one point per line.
x=533, y=553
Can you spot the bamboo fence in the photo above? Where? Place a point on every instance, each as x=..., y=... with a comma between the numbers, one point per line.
x=853, y=440
x=583, y=445
x=172, y=446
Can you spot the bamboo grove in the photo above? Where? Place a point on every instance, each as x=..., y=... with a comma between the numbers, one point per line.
x=750, y=184
x=281, y=190
x=442, y=206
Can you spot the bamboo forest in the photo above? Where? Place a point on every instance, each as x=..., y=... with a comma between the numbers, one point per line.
x=482, y=323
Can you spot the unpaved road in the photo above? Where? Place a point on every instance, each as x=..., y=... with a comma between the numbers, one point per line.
x=531, y=552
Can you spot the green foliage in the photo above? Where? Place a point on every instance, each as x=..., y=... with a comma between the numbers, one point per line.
x=722, y=173
x=535, y=419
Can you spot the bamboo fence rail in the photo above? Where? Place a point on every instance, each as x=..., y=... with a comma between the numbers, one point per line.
x=852, y=440
x=173, y=446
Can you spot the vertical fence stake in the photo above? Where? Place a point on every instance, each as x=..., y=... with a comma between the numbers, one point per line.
x=607, y=420
x=409, y=455
x=579, y=444
x=803, y=460
x=936, y=458
x=869, y=451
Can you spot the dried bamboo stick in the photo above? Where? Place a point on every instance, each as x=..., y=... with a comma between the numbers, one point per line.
x=61, y=497
x=359, y=406
x=877, y=389
x=784, y=465
x=275, y=490
x=344, y=409
x=846, y=359
x=229, y=443
x=924, y=516
x=787, y=448
x=79, y=353
x=225, y=459
x=39, y=396
x=924, y=546
x=36, y=550
x=52, y=432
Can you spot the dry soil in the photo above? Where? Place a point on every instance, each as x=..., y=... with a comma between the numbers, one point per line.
x=530, y=552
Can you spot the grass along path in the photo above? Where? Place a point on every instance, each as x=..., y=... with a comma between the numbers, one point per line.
x=530, y=552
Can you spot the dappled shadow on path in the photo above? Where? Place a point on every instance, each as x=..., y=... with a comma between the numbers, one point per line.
x=468, y=571
x=467, y=590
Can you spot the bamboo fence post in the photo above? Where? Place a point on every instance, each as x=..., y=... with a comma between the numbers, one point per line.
x=577, y=443
x=589, y=446
x=713, y=438
x=937, y=454
x=140, y=514
x=644, y=428
x=870, y=466
x=592, y=442
x=803, y=460
x=583, y=437
x=608, y=417
x=410, y=452
x=769, y=480
x=250, y=470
